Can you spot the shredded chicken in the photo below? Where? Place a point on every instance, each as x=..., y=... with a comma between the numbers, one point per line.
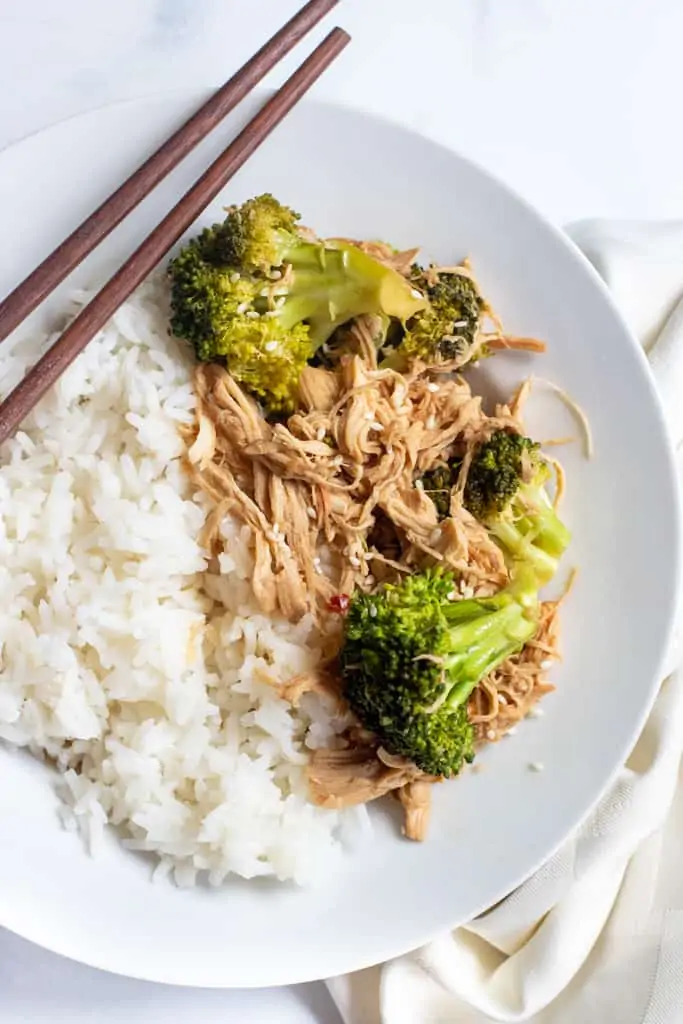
x=331, y=502
x=202, y=449
x=319, y=389
x=509, y=341
x=416, y=798
x=354, y=775
x=318, y=681
x=319, y=482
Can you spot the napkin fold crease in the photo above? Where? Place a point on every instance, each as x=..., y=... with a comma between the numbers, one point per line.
x=596, y=934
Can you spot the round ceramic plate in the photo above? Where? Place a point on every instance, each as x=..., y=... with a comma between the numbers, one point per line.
x=352, y=175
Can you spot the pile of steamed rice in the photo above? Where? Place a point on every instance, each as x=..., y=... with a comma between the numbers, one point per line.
x=154, y=698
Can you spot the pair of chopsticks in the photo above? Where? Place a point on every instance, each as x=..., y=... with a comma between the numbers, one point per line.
x=45, y=278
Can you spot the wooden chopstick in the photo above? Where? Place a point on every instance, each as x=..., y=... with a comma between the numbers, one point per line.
x=73, y=250
x=93, y=317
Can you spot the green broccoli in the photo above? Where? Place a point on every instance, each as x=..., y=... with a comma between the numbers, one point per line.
x=253, y=293
x=413, y=654
x=505, y=490
x=438, y=484
x=445, y=329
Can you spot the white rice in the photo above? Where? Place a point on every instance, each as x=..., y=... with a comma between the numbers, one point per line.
x=153, y=697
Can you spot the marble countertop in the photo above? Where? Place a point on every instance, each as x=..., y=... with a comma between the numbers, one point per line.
x=569, y=101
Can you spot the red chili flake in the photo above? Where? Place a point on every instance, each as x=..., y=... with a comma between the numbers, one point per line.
x=339, y=604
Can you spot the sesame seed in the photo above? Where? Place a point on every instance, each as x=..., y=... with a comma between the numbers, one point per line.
x=535, y=712
x=467, y=592
x=375, y=425
x=370, y=416
x=276, y=529
x=501, y=700
x=234, y=278
x=491, y=734
x=354, y=561
x=547, y=663
x=373, y=611
x=252, y=315
x=419, y=484
x=243, y=307
x=279, y=302
x=271, y=312
x=311, y=512
x=337, y=461
x=434, y=388
x=536, y=766
x=275, y=275
x=272, y=537
x=390, y=449
x=416, y=294
x=460, y=323
x=264, y=293
x=451, y=595
x=320, y=434
x=270, y=346
x=431, y=423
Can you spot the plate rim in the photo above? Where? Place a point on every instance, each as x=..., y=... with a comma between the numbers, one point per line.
x=189, y=94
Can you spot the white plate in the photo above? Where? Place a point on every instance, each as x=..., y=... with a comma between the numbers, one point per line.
x=350, y=174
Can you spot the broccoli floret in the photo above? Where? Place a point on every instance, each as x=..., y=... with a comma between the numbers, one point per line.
x=446, y=328
x=438, y=484
x=505, y=490
x=412, y=655
x=253, y=293
x=255, y=236
x=497, y=471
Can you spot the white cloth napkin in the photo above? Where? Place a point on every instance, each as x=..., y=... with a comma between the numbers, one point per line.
x=595, y=936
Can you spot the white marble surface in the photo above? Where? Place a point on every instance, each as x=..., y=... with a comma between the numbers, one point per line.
x=573, y=102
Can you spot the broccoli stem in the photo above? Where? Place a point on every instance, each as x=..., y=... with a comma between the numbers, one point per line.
x=550, y=532
x=536, y=535
x=484, y=632
x=333, y=284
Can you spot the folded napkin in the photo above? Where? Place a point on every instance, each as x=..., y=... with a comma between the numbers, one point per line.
x=595, y=936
